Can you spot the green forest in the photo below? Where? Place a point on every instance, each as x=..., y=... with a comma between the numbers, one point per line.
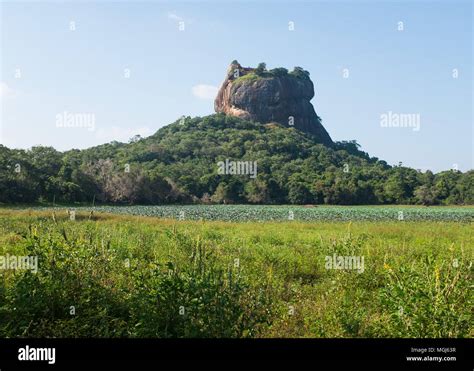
x=178, y=164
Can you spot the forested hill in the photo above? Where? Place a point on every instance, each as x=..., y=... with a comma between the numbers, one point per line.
x=181, y=163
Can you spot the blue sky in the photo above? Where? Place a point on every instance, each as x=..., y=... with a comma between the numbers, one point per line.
x=175, y=73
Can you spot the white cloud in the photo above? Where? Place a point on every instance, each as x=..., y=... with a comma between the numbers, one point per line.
x=174, y=17
x=203, y=91
x=121, y=134
x=5, y=90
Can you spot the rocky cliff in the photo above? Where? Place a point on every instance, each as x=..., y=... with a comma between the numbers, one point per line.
x=271, y=96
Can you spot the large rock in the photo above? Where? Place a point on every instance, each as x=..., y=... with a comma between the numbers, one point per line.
x=271, y=96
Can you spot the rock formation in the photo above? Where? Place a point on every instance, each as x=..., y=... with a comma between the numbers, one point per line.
x=271, y=96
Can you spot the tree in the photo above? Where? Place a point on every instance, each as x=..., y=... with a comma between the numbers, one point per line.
x=135, y=138
x=278, y=72
x=444, y=185
x=102, y=172
x=425, y=195
x=257, y=192
x=261, y=68
x=178, y=165
x=299, y=194
x=465, y=188
x=228, y=192
x=394, y=190
x=300, y=73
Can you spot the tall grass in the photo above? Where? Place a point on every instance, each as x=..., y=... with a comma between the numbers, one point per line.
x=123, y=276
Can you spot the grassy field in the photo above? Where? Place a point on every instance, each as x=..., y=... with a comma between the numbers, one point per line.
x=105, y=275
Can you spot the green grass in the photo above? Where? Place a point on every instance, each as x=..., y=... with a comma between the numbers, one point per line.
x=249, y=78
x=134, y=276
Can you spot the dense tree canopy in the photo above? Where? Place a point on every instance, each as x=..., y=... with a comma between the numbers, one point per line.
x=178, y=164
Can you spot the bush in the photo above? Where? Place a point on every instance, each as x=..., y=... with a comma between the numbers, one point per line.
x=85, y=288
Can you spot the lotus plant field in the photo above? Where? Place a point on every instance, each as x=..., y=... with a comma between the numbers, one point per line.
x=242, y=213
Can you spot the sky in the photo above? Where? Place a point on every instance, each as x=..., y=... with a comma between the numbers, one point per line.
x=127, y=68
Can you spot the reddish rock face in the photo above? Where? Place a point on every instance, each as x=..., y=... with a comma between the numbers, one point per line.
x=265, y=97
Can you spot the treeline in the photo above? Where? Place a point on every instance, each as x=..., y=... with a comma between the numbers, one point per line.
x=178, y=164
